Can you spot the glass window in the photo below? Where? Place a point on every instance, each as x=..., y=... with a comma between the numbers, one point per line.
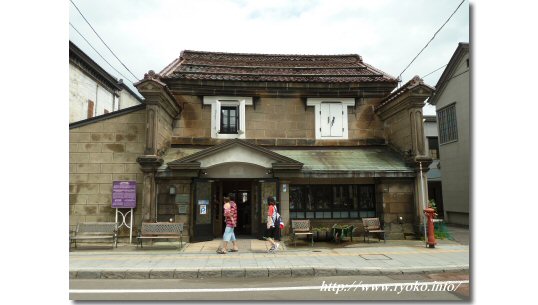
x=433, y=145
x=229, y=119
x=448, y=127
x=321, y=197
x=297, y=198
x=332, y=201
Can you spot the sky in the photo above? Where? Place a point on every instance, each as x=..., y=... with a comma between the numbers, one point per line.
x=388, y=34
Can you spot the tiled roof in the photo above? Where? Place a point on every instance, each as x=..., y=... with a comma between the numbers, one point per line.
x=196, y=65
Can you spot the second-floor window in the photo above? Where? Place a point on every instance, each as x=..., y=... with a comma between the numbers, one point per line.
x=229, y=119
x=448, y=126
x=228, y=116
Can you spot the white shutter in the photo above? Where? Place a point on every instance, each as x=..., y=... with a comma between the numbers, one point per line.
x=336, y=120
x=217, y=117
x=325, y=119
x=242, y=118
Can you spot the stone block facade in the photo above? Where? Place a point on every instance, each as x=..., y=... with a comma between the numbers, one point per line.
x=99, y=153
x=168, y=205
x=283, y=121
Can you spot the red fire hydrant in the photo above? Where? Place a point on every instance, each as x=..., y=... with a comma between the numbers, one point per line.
x=430, y=213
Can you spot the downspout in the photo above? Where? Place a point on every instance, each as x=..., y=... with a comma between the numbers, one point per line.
x=423, y=203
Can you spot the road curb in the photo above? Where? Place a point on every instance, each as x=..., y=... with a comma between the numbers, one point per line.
x=254, y=272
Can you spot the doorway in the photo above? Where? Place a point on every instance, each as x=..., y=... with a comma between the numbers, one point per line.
x=241, y=190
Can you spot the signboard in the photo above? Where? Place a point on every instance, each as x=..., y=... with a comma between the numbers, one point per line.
x=124, y=194
x=203, y=209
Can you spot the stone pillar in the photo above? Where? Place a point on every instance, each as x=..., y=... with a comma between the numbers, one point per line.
x=148, y=195
x=151, y=127
x=159, y=103
x=417, y=131
x=149, y=165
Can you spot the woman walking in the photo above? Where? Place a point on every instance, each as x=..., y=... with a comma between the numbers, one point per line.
x=273, y=231
x=230, y=212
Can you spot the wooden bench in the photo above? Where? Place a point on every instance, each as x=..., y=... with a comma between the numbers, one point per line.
x=301, y=227
x=160, y=230
x=372, y=225
x=95, y=231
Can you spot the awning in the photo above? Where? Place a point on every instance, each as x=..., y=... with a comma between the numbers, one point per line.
x=365, y=161
x=378, y=161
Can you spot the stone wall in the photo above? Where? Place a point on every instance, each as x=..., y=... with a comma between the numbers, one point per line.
x=168, y=205
x=398, y=131
x=397, y=200
x=164, y=130
x=99, y=153
x=279, y=118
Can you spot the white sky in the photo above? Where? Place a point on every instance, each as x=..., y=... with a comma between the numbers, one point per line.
x=388, y=34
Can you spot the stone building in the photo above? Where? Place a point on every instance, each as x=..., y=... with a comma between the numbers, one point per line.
x=92, y=90
x=327, y=135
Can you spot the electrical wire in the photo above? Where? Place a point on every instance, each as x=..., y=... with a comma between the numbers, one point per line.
x=102, y=39
x=431, y=39
x=434, y=71
x=99, y=53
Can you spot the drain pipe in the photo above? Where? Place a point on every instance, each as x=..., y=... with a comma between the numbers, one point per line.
x=423, y=204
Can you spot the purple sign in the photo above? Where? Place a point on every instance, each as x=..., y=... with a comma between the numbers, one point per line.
x=124, y=194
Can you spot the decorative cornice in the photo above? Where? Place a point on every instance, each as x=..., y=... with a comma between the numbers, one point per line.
x=156, y=92
x=411, y=95
x=149, y=163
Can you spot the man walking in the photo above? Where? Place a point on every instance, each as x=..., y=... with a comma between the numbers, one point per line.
x=230, y=214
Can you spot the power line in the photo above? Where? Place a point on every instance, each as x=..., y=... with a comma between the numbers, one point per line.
x=99, y=53
x=102, y=40
x=435, y=71
x=431, y=38
x=458, y=74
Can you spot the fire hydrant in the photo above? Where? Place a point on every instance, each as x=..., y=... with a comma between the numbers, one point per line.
x=430, y=213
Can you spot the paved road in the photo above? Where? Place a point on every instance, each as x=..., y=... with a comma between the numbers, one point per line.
x=390, y=287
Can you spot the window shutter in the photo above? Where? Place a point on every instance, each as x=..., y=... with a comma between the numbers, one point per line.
x=325, y=120
x=241, y=116
x=217, y=117
x=91, y=106
x=336, y=120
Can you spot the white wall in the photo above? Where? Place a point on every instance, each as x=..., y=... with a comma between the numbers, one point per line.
x=455, y=156
x=83, y=88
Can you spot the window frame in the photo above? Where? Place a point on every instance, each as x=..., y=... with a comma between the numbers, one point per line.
x=448, y=133
x=436, y=149
x=228, y=129
x=216, y=103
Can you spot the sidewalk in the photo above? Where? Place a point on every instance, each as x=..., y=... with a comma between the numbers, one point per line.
x=199, y=260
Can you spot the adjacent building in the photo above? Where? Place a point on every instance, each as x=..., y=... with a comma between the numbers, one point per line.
x=92, y=90
x=435, y=189
x=331, y=137
x=452, y=103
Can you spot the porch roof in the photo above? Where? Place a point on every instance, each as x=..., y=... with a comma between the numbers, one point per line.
x=359, y=159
